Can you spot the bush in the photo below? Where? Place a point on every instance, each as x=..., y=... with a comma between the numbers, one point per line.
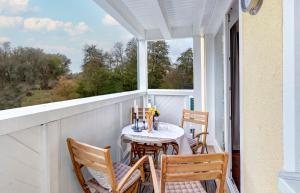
x=65, y=89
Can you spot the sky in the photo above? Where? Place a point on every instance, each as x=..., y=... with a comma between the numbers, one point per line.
x=65, y=26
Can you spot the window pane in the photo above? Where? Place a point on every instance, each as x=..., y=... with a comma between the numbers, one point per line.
x=170, y=64
x=49, y=53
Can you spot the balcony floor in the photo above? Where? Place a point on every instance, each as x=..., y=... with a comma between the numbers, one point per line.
x=210, y=186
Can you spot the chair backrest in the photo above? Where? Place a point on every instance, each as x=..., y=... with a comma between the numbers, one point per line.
x=93, y=157
x=196, y=117
x=140, y=114
x=175, y=168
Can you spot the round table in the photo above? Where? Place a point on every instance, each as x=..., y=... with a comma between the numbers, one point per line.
x=166, y=133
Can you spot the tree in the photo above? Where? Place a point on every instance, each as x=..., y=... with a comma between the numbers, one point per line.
x=96, y=78
x=129, y=75
x=65, y=88
x=118, y=54
x=158, y=63
x=185, y=69
x=93, y=57
x=23, y=69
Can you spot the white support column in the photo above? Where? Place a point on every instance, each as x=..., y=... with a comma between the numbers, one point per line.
x=142, y=68
x=290, y=176
x=289, y=86
x=210, y=84
x=197, y=72
x=226, y=67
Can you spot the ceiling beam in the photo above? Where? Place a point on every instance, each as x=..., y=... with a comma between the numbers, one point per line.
x=162, y=21
x=121, y=13
x=198, y=19
x=177, y=32
x=217, y=17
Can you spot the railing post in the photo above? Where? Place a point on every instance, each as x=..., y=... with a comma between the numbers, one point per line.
x=142, y=72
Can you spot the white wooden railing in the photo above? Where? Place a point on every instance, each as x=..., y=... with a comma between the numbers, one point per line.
x=170, y=103
x=33, y=151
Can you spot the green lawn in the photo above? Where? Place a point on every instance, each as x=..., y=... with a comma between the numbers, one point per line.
x=38, y=97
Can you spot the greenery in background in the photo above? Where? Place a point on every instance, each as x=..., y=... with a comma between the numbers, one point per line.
x=30, y=76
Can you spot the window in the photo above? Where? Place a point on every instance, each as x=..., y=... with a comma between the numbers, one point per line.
x=57, y=50
x=170, y=64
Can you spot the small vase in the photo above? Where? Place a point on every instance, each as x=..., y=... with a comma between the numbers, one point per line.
x=155, y=122
x=150, y=123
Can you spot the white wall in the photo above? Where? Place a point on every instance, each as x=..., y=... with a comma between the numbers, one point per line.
x=219, y=88
x=210, y=85
x=20, y=161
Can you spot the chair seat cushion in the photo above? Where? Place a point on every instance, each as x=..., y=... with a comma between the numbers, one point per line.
x=182, y=187
x=120, y=171
x=192, y=142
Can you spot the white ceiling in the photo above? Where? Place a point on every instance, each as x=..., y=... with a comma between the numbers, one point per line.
x=167, y=19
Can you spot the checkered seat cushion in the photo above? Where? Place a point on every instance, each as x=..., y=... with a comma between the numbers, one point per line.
x=182, y=187
x=192, y=142
x=120, y=171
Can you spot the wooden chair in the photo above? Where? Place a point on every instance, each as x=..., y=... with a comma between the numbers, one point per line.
x=184, y=173
x=140, y=114
x=139, y=150
x=142, y=150
x=199, y=141
x=122, y=178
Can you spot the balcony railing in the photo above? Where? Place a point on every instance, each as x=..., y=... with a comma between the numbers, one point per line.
x=34, y=156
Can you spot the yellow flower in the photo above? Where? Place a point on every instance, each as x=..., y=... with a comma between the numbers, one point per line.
x=153, y=111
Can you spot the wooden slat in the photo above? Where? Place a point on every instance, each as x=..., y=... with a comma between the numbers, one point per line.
x=89, y=156
x=153, y=174
x=195, y=121
x=89, y=148
x=91, y=164
x=163, y=173
x=194, y=167
x=195, y=158
x=183, y=177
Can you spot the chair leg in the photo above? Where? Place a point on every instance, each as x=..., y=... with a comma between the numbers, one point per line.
x=134, y=188
x=133, y=153
x=164, y=148
x=175, y=149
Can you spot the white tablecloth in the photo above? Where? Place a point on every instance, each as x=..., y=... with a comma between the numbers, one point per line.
x=166, y=133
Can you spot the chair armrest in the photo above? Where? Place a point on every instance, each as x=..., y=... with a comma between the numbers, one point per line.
x=153, y=174
x=198, y=135
x=139, y=165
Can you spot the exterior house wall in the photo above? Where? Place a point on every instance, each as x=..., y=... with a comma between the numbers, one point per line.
x=262, y=62
x=219, y=88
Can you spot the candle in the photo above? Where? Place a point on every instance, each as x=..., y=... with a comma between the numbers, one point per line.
x=134, y=108
x=143, y=109
x=137, y=111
